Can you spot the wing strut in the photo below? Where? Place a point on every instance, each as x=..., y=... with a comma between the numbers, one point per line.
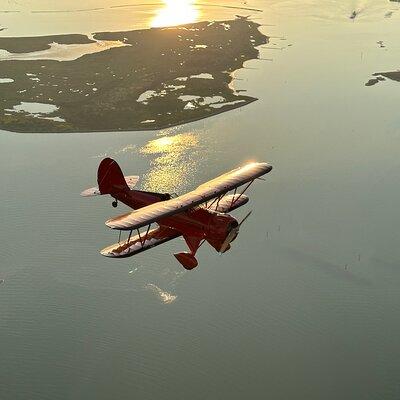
x=241, y=194
x=234, y=200
x=142, y=241
x=217, y=199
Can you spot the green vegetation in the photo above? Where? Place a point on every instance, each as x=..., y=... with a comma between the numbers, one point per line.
x=100, y=91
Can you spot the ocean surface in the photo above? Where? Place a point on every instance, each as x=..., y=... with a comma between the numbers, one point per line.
x=306, y=304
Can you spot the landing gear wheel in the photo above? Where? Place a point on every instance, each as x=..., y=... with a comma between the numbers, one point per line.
x=115, y=203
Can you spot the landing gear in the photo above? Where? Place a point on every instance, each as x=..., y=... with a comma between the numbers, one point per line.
x=187, y=260
x=115, y=203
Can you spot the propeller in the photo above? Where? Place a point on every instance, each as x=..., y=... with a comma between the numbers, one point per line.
x=232, y=234
x=244, y=219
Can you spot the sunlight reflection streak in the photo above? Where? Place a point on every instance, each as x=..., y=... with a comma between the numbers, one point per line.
x=175, y=158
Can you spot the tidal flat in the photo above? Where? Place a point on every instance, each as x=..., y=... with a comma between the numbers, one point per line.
x=156, y=78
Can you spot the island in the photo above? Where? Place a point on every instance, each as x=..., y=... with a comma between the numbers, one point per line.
x=155, y=78
x=382, y=76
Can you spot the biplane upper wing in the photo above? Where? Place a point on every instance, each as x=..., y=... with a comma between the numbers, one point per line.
x=203, y=193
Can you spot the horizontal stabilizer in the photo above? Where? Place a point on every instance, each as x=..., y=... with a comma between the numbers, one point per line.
x=131, y=181
x=94, y=191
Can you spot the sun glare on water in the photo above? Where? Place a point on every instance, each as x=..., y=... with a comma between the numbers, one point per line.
x=173, y=159
x=176, y=12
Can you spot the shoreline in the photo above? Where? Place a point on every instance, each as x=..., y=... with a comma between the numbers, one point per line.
x=144, y=129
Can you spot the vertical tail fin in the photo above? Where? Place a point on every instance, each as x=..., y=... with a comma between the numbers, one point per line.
x=110, y=177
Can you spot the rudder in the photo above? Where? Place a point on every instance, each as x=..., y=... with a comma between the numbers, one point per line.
x=110, y=178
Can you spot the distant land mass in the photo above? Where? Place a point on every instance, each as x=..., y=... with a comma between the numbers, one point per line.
x=381, y=76
x=155, y=78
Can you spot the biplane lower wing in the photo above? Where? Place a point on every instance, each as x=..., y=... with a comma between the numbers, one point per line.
x=228, y=203
x=141, y=242
x=213, y=189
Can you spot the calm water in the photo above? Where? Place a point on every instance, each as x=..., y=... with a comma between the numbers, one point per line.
x=305, y=306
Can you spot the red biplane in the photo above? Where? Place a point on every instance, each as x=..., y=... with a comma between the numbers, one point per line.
x=200, y=215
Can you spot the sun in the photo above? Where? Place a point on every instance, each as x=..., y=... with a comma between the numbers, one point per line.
x=176, y=12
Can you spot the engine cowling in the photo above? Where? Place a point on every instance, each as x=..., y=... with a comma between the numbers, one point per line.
x=220, y=228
